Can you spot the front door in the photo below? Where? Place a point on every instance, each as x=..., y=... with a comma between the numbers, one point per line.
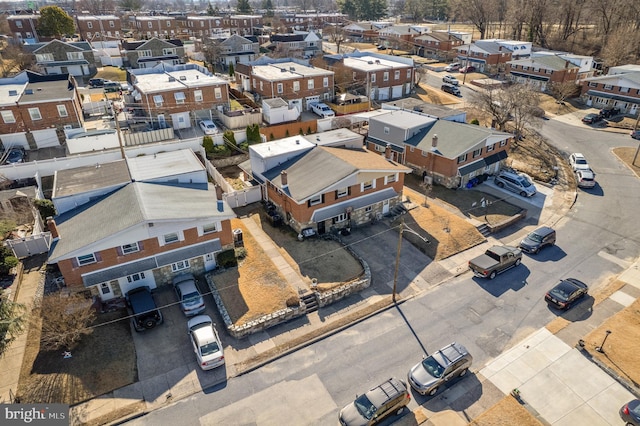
x=385, y=207
x=162, y=123
x=321, y=228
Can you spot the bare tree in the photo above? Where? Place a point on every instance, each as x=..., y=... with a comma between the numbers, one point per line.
x=622, y=46
x=563, y=90
x=212, y=51
x=479, y=12
x=421, y=74
x=96, y=7
x=14, y=60
x=336, y=35
x=524, y=100
x=66, y=317
x=496, y=103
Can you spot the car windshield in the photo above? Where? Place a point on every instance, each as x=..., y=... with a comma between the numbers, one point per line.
x=525, y=182
x=433, y=367
x=191, y=296
x=535, y=237
x=365, y=407
x=562, y=291
x=209, y=348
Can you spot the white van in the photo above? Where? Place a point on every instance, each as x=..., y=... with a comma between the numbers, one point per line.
x=322, y=110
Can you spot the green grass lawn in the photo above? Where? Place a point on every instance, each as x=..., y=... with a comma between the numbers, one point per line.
x=112, y=73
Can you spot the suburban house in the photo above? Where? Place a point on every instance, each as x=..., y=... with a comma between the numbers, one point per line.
x=205, y=26
x=244, y=24
x=584, y=63
x=149, y=53
x=177, y=96
x=36, y=109
x=59, y=57
x=486, y=56
x=297, y=45
x=449, y=152
x=437, y=45
x=99, y=27
x=24, y=28
x=620, y=90
x=400, y=36
x=462, y=35
x=377, y=76
x=362, y=185
x=160, y=230
x=542, y=70
x=298, y=84
x=364, y=31
x=238, y=49
x=155, y=26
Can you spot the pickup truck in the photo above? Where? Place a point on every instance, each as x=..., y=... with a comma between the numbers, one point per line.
x=322, y=110
x=495, y=260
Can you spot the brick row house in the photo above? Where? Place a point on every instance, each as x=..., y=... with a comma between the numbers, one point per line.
x=59, y=57
x=205, y=26
x=540, y=71
x=308, y=21
x=24, y=28
x=491, y=56
x=298, y=84
x=99, y=27
x=362, y=185
x=244, y=24
x=613, y=90
x=146, y=243
x=149, y=53
x=238, y=50
x=401, y=36
x=449, y=152
x=154, y=26
x=35, y=110
x=437, y=45
x=177, y=96
x=297, y=45
x=379, y=77
x=364, y=31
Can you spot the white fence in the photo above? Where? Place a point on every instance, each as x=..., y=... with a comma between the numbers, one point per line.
x=235, y=198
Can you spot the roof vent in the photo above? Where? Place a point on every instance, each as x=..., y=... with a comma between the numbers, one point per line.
x=292, y=69
x=378, y=61
x=172, y=78
x=370, y=62
x=13, y=93
x=28, y=92
x=183, y=77
x=283, y=70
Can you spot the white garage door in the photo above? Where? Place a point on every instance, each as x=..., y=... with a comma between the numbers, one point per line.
x=181, y=120
x=45, y=138
x=310, y=100
x=396, y=92
x=383, y=93
x=15, y=140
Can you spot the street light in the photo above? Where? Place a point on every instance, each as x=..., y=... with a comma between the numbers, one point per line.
x=601, y=347
x=395, y=274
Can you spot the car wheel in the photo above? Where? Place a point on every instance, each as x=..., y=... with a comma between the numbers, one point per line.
x=400, y=410
x=492, y=275
x=433, y=391
x=523, y=194
x=463, y=372
x=500, y=185
x=518, y=262
x=149, y=323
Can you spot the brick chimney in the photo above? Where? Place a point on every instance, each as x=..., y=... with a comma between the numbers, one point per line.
x=220, y=204
x=51, y=224
x=387, y=152
x=434, y=141
x=283, y=179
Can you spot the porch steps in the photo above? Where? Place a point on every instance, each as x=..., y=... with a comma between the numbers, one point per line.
x=310, y=302
x=484, y=229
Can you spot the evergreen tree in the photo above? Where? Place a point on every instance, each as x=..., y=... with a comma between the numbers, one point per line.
x=243, y=6
x=210, y=10
x=268, y=6
x=55, y=22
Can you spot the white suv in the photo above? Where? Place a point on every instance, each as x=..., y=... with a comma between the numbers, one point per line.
x=450, y=79
x=578, y=162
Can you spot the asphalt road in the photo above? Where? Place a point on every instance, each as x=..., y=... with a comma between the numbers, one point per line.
x=596, y=239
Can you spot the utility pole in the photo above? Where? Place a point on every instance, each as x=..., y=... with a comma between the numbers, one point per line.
x=115, y=115
x=395, y=274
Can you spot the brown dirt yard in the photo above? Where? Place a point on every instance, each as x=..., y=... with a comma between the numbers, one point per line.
x=507, y=412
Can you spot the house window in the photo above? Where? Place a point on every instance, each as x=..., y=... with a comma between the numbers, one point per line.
x=380, y=148
x=179, y=266
x=112, y=24
x=385, y=76
x=168, y=24
x=104, y=288
x=144, y=53
x=44, y=57
x=179, y=97
x=19, y=24
x=150, y=24
x=391, y=178
x=89, y=24
x=197, y=94
x=34, y=113
x=423, y=153
x=218, y=93
x=86, y=259
x=315, y=200
x=373, y=78
x=88, y=34
x=209, y=228
x=608, y=87
x=386, y=130
x=130, y=248
x=593, y=84
x=354, y=76
x=490, y=147
x=325, y=82
x=7, y=117
x=261, y=89
x=135, y=277
x=280, y=87
x=169, y=51
x=340, y=218
x=310, y=84
x=462, y=158
x=254, y=83
x=524, y=68
x=396, y=75
x=503, y=143
x=477, y=152
x=624, y=90
x=343, y=192
x=75, y=56
x=296, y=86
x=158, y=100
x=367, y=185
x=171, y=238
x=62, y=111
x=412, y=148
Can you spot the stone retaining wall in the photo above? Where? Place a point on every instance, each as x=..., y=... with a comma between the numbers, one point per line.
x=507, y=222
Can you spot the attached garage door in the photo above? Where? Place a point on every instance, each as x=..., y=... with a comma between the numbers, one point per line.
x=396, y=92
x=310, y=100
x=15, y=140
x=46, y=138
x=181, y=120
x=383, y=93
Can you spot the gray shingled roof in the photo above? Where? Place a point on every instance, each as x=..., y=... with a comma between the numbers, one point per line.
x=134, y=204
x=454, y=139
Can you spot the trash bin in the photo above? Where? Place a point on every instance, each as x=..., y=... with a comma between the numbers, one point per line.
x=237, y=238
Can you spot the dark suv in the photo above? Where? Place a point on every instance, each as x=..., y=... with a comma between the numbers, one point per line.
x=388, y=398
x=609, y=112
x=142, y=308
x=433, y=371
